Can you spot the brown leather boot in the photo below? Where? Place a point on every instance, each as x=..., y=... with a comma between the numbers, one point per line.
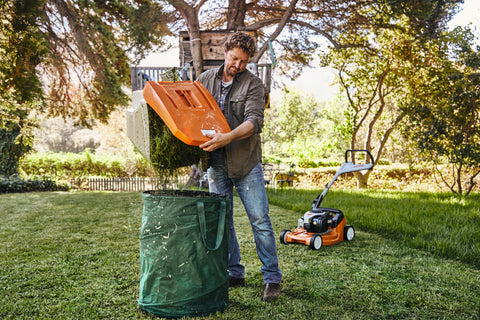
x=271, y=292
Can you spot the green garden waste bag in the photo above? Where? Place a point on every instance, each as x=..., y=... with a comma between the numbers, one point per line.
x=184, y=253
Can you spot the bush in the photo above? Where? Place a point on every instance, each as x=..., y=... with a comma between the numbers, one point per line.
x=66, y=166
x=305, y=163
x=384, y=162
x=16, y=184
x=10, y=151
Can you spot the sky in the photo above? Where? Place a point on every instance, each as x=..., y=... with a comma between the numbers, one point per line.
x=317, y=81
x=470, y=14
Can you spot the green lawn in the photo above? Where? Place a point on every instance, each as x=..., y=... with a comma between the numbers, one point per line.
x=75, y=255
x=438, y=222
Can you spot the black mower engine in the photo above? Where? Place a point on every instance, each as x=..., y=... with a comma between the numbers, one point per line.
x=319, y=220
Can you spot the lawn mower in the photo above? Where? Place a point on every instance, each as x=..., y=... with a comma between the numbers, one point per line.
x=326, y=226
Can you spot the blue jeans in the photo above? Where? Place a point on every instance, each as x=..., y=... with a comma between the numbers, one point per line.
x=251, y=190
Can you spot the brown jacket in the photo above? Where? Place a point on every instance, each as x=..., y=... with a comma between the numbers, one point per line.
x=244, y=102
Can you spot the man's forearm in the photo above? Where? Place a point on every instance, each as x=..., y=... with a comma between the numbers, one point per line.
x=243, y=131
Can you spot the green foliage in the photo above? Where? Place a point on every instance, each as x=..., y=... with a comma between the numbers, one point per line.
x=10, y=151
x=167, y=152
x=445, y=122
x=22, y=48
x=16, y=184
x=171, y=75
x=100, y=37
x=391, y=68
x=303, y=129
x=427, y=17
x=66, y=166
x=375, y=79
x=73, y=56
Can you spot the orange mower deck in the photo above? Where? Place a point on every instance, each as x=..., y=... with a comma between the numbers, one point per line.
x=314, y=240
x=301, y=236
x=187, y=108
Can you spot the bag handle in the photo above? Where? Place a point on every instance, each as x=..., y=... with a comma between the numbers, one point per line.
x=203, y=225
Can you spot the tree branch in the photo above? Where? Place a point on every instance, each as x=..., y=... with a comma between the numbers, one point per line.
x=326, y=35
x=385, y=137
x=262, y=24
x=274, y=35
x=472, y=182
x=200, y=4
x=379, y=112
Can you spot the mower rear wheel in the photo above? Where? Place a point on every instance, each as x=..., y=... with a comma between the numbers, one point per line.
x=283, y=236
x=316, y=241
x=348, y=233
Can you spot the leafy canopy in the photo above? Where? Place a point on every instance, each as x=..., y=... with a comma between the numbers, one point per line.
x=445, y=114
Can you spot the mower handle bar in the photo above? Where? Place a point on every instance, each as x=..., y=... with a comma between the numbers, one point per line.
x=351, y=151
x=345, y=168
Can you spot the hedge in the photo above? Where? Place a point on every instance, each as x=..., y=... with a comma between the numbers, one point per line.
x=66, y=166
x=16, y=184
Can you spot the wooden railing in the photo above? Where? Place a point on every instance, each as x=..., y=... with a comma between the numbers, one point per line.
x=140, y=75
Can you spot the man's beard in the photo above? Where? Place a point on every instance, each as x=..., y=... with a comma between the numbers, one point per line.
x=232, y=71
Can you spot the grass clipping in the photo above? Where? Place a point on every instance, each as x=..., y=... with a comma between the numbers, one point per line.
x=167, y=153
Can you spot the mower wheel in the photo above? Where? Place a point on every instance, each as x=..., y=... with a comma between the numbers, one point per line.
x=348, y=233
x=283, y=236
x=316, y=241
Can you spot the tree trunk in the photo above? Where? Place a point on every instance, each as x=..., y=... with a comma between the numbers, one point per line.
x=196, y=49
x=236, y=15
x=190, y=16
x=362, y=179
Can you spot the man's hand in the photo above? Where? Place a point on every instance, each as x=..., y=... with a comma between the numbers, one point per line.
x=219, y=140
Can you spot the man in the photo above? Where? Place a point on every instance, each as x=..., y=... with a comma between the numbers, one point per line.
x=235, y=157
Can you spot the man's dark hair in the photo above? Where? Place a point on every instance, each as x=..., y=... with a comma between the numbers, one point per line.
x=242, y=41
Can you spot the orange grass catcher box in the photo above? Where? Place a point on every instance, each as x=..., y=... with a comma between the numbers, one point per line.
x=187, y=108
